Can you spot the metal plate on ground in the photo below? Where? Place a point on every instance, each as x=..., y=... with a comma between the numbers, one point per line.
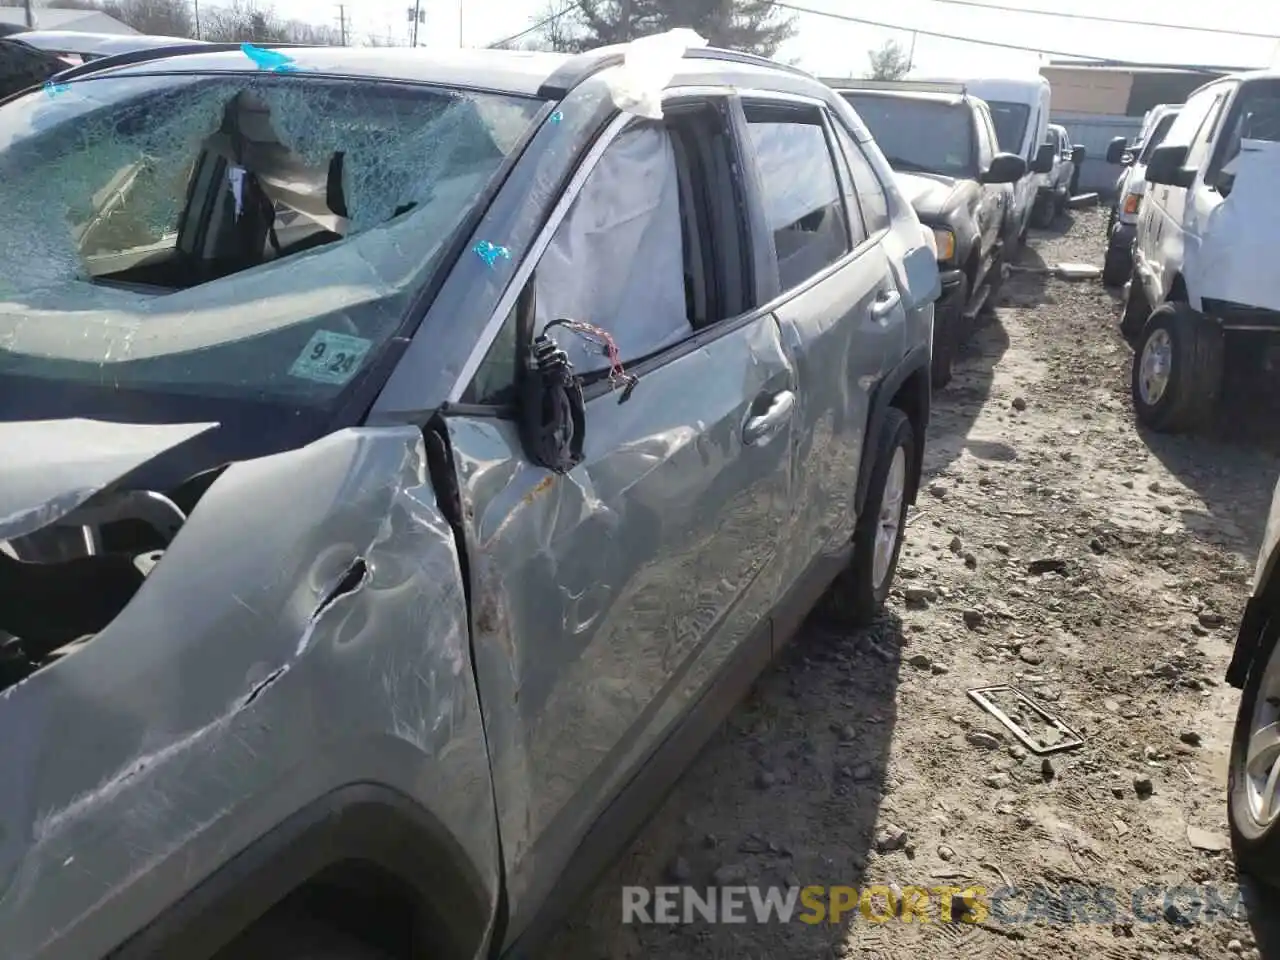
x=1005, y=703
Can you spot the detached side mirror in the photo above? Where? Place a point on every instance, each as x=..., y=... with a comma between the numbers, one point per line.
x=1045, y=157
x=1116, y=150
x=1078, y=154
x=552, y=410
x=1167, y=167
x=1005, y=168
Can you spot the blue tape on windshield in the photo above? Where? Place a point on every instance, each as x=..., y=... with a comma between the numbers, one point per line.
x=490, y=252
x=556, y=117
x=268, y=59
x=53, y=89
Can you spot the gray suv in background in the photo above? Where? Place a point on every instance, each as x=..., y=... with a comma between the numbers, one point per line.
x=409, y=460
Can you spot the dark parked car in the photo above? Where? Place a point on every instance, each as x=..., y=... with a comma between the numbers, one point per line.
x=942, y=146
x=407, y=462
x=22, y=66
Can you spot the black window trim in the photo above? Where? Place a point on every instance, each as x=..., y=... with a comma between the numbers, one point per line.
x=872, y=235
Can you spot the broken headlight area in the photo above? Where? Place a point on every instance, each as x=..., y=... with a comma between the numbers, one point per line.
x=62, y=584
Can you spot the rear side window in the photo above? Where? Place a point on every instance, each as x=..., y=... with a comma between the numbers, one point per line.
x=803, y=205
x=875, y=206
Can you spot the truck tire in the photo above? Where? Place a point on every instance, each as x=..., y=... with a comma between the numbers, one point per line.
x=995, y=283
x=944, y=348
x=1255, y=834
x=1136, y=307
x=1042, y=212
x=1117, y=267
x=858, y=594
x=1177, y=369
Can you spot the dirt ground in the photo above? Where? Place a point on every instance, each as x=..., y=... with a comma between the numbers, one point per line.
x=1058, y=548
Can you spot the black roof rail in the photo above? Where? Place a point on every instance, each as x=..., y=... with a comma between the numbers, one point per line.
x=156, y=53
x=582, y=67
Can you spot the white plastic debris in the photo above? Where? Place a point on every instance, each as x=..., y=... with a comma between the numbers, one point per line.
x=647, y=68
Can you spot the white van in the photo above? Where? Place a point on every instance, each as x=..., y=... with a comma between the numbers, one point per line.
x=1020, y=109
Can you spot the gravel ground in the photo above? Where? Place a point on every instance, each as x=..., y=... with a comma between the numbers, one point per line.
x=1058, y=548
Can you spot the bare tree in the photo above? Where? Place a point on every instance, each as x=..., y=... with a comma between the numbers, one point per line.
x=554, y=27
x=889, y=62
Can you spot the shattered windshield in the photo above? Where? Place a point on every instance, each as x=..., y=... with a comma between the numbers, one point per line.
x=232, y=234
x=1010, y=120
x=920, y=136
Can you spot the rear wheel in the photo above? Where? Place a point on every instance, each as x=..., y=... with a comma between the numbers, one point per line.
x=858, y=594
x=1253, y=771
x=944, y=336
x=1177, y=369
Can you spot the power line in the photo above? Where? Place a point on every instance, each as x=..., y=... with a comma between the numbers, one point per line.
x=544, y=22
x=1098, y=61
x=1100, y=19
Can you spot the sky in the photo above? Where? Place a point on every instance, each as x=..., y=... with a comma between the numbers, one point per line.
x=830, y=47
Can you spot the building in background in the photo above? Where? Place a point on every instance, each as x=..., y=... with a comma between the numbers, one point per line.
x=1097, y=104
x=85, y=21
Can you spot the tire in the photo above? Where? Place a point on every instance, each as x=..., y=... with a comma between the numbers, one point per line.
x=994, y=285
x=1042, y=213
x=1177, y=369
x=1255, y=842
x=944, y=349
x=1117, y=267
x=858, y=594
x=1136, y=308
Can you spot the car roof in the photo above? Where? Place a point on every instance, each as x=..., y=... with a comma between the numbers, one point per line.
x=95, y=44
x=519, y=72
x=507, y=71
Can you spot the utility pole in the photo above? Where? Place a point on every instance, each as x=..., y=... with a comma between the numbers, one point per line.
x=417, y=19
x=342, y=23
x=30, y=17
x=626, y=20
x=196, y=6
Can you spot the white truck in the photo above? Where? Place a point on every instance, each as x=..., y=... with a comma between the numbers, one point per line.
x=1131, y=187
x=1205, y=294
x=1020, y=110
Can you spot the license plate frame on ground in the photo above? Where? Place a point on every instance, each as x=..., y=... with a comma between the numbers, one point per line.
x=982, y=696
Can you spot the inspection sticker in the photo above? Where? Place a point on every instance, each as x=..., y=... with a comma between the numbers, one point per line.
x=330, y=357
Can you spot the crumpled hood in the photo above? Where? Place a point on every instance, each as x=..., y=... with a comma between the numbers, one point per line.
x=929, y=194
x=51, y=467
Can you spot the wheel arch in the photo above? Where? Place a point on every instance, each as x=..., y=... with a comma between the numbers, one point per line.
x=906, y=387
x=364, y=827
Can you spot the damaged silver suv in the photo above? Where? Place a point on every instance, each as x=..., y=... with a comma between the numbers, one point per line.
x=407, y=461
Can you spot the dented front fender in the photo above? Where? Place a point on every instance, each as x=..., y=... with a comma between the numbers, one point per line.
x=306, y=630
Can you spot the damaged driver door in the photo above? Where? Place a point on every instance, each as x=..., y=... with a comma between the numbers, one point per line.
x=609, y=595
